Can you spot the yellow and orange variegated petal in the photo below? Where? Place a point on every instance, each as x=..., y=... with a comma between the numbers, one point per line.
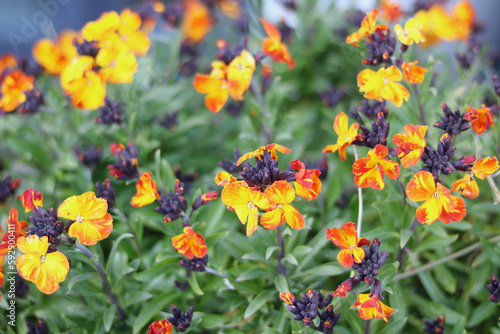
x=190, y=243
x=395, y=92
x=271, y=30
x=271, y=219
x=332, y=149
x=16, y=228
x=436, y=207
x=223, y=178
x=31, y=198
x=336, y=236
x=197, y=21
x=53, y=271
x=344, y=257
x=343, y=289
x=467, y=186
x=147, y=191
x=280, y=192
x=458, y=210
x=412, y=73
x=370, y=83
x=303, y=191
x=276, y=147
x=293, y=217
x=261, y=200
x=389, y=168
x=216, y=100
x=160, y=326
x=206, y=84
x=350, y=234
x=371, y=307
x=91, y=231
x=28, y=266
x=421, y=187
x=33, y=245
x=253, y=221
x=287, y=297
x=484, y=167
x=368, y=26
x=86, y=205
x=358, y=254
x=366, y=175
x=236, y=194
x=392, y=73
x=138, y=43
x=483, y=120
x=414, y=28
x=340, y=124
x=402, y=36
x=122, y=70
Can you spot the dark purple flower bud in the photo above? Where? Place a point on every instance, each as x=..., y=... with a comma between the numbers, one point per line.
x=195, y=264
x=380, y=46
x=332, y=96
x=34, y=100
x=40, y=327
x=110, y=113
x=435, y=326
x=90, y=157
x=46, y=224
x=494, y=289
x=169, y=121
x=8, y=188
x=106, y=191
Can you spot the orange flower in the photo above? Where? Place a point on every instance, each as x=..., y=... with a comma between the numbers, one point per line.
x=380, y=85
x=44, y=269
x=214, y=85
x=7, y=62
x=272, y=148
x=467, y=186
x=13, y=89
x=483, y=120
x=347, y=239
x=197, y=21
x=31, y=199
x=230, y=8
x=239, y=74
x=369, y=171
x=346, y=135
x=92, y=222
x=245, y=201
x=390, y=11
x=371, y=307
x=464, y=17
x=287, y=297
x=281, y=193
x=224, y=178
x=190, y=244
x=368, y=27
x=15, y=227
x=160, y=327
x=273, y=47
x=307, y=184
x=413, y=74
x=87, y=87
x=54, y=56
x=438, y=202
x=146, y=191
x=411, y=33
x=204, y=199
x=411, y=144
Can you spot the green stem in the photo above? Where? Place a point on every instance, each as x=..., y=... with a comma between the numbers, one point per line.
x=360, y=197
x=411, y=229
x=132, y=231
x=104, y=278
x=421, y=109
x=266, y=132
x=466, y=250
x=281, y=252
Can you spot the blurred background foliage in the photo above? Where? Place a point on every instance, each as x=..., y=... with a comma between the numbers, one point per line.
x=38, y=149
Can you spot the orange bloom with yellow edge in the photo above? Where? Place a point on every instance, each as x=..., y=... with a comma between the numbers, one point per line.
x=411, y=32
x=349, y=243
x=16, y=228
x=368, y=27
x=214, y=85
x=31, y=199
x=92, y=222
x=13, y=89
x=483, y=120
x=7, y=62
x=83, y=83
x=160, y=327
x=411, y=144
x=44, y=269
x=413, y=74
x=239, y=74
x=245, y=201
x=190, y=244
x=54, y=56
x=273, y=47
x=467, y=186
x=371, y=307
x=307, y=184
x=438, y=202
x=287, y=297
x=147, y=191
x=369, y=171
x=281, y=193
x=381, y=85
x=346, y=135
x=271, y=148
x=464, y=16
x=390, y=10
x=224, y=178
x=197, y=21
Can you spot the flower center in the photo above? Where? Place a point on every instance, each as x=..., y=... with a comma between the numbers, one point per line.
x=436, y=194
x=251, y=205
x=280, y=205
x=79, y=218
x=42, y=258
x=386, y=81
x=376, y=166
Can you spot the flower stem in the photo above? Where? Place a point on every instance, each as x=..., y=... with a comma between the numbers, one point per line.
x=266, y=132
x=104, y=278
x=421, y=109
x=367, y=327
x=281, y=251
x=466, y=250
x=132, y=231
x=494, y=188
x=360, y=198
x=411, y=229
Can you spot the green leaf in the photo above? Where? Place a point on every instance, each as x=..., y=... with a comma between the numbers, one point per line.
x=352, y=318
x=481, y=313
x=459, y=326
x=253, y=256
x=79, y=278
x=270, y=250
x=154, y=306
x=158, y=269
x=193, y=282
x=387, y=272
x=394, y=326
x=446, y=279
x=251, y=273
x=281, y=283
x=327, y=269
x=434, y=242
x=115, y=247
x=269, y=330
x=301, y=250
x=290, y=258
x=109, y=316
x=213, y=320
x=257, y=302
x=405, y=236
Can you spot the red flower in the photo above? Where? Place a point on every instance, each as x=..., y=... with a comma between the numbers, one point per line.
x=347, y=239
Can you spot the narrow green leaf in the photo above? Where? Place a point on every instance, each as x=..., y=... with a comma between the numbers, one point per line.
x=257, y=302
x=253, y=256
x=281, y=283
x=109, y=316
x=193, y=282
x=387, y=272
x=270, y=251
x=115, y=247
x=394, y=327
x=79, y=278
x=154, y=306
x=434, y=242
x=290, y=258
x=251, y=273
x=484, y=311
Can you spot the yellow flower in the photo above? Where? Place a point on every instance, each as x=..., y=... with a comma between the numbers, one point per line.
x=44, y=269
x=380, y=85
x=411, y=33
x=92, y=221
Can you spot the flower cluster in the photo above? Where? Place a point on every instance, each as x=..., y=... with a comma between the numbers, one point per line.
x=17, y=87
x=104, y=51
x=265, y=187
x=366, y=262
x=311, y=306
